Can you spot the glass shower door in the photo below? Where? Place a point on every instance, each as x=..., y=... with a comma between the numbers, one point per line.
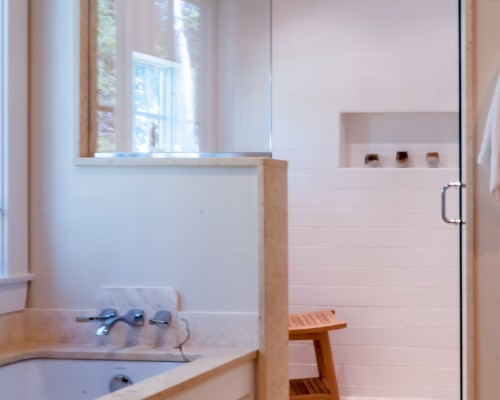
x=357, y=81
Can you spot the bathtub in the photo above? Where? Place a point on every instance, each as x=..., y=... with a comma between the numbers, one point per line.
x=63, y=379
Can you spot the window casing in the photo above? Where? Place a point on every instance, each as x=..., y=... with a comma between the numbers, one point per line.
x=14, y=154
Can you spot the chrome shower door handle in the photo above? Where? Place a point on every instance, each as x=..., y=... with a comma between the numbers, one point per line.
x=455, y=185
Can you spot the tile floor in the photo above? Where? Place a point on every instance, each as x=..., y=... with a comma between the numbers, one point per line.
x=381, y=398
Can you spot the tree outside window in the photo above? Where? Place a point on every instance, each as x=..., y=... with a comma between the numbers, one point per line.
x=147, y=76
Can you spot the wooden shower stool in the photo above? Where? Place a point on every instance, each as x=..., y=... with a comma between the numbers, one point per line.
x=315, y=326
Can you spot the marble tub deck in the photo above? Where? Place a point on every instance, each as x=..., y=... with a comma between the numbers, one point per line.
x=204, y=364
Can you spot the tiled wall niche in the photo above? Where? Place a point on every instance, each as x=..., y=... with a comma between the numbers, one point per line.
x=385, y=133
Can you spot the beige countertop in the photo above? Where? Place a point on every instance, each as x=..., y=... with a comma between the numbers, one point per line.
x=204, y=364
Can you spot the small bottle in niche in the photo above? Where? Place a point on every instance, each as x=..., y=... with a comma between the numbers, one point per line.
x=402, y=159
x=371, y=160
x=432, y=159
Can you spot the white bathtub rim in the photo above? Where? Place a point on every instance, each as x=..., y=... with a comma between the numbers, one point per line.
x=206, y=363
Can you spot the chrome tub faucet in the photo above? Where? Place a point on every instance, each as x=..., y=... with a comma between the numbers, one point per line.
x=103, y=315
x=109, y=317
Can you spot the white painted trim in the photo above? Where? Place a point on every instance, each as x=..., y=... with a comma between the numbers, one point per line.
x=154, y=61
x=11, y=280
x=13, y=297
x=14, y=154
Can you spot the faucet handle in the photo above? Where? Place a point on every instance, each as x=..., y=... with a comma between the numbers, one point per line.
x=134, y=317
x=161, y=317
x=103, y=315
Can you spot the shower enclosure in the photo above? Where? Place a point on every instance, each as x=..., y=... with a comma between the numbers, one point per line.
x=358, y=78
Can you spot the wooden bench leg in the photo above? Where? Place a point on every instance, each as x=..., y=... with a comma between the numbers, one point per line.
x=324, y=360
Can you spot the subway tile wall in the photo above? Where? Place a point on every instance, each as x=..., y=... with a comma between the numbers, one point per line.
x=369, y=243
x=240, y=94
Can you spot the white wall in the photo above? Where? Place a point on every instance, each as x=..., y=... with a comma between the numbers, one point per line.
x=369, y=242
x=243, y=67
x=193, y=229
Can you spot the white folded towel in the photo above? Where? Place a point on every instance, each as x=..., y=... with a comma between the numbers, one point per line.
x=489, y=155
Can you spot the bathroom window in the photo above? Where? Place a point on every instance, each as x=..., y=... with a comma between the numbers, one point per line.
x=205, y=64
x=154, y=103
x=143, y=76
x=13, y=154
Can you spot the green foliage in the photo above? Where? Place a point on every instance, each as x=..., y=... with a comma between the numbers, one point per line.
x=106, y=44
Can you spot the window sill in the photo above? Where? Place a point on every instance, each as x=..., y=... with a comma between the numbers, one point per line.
x=13, y=291
x=180, y=162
